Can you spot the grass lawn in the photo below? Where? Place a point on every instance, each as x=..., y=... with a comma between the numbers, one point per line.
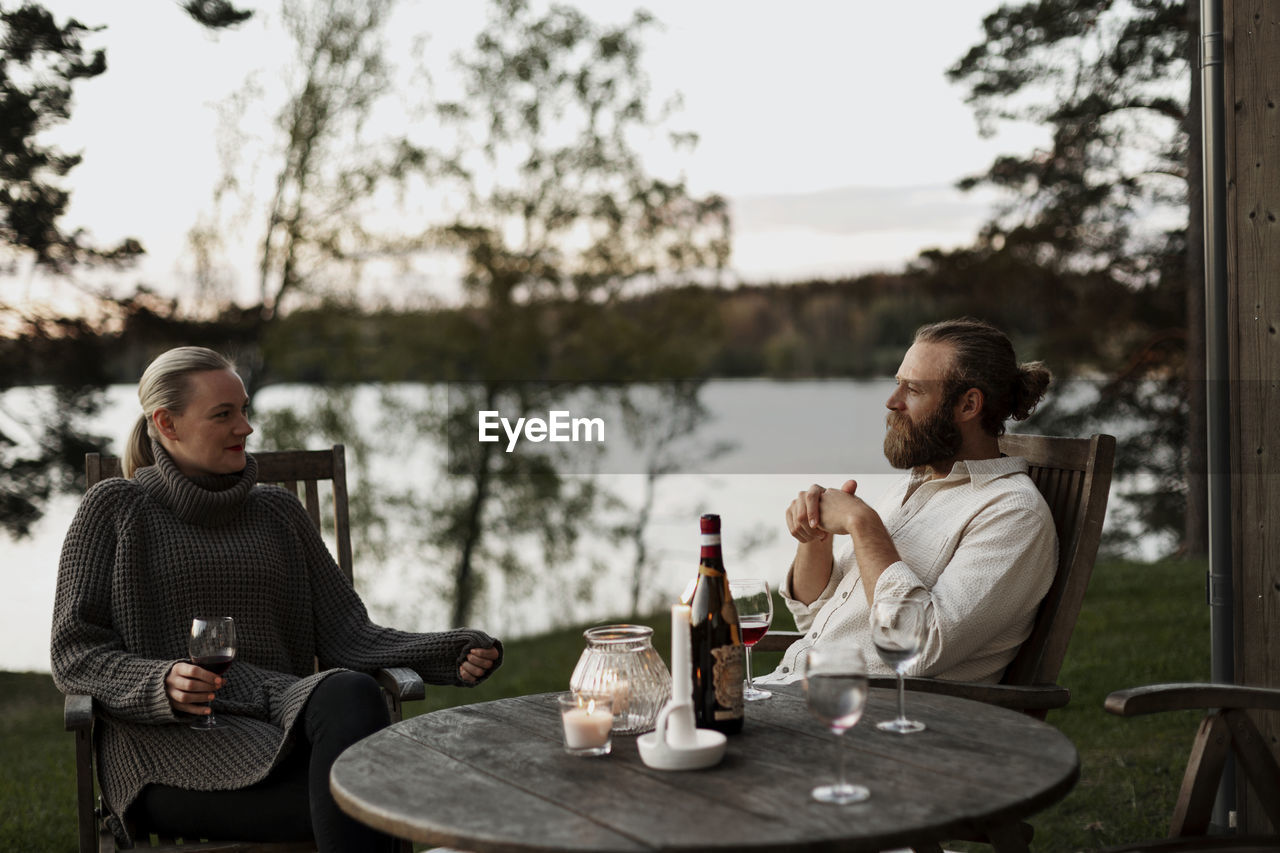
x=1141, y=623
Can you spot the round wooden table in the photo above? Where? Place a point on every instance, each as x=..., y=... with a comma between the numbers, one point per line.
x=493, y=778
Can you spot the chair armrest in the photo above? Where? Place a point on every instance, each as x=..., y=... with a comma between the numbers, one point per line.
x=1154, y=698
x=77, y=712
x=1017, y=697
x=401, y=682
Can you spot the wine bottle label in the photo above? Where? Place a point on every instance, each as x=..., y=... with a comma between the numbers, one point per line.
x=727, y=673
x=710, y=539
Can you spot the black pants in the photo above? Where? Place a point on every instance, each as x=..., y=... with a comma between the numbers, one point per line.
x=293, y=802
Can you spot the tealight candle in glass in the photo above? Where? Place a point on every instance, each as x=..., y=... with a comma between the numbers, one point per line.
x=587, y=719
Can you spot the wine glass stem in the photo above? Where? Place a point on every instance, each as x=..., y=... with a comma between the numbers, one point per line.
x=902, y=702
x=750, y=686
x=839, y=762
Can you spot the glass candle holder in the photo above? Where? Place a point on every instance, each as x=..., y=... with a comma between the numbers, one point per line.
x=620, y=662
x=587, y=720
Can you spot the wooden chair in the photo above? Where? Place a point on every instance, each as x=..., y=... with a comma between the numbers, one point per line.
x=1074, y=475
x=1226, y=727
x=291, y=469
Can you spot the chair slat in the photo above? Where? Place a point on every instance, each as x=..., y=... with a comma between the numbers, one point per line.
x=313, y=502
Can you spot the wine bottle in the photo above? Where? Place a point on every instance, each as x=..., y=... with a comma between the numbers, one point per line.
x=715, y=640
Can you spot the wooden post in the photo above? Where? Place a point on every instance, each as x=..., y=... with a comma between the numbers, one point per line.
x=1251, y=30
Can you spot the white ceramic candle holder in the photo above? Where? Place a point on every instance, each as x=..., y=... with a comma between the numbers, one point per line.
x=676, y=743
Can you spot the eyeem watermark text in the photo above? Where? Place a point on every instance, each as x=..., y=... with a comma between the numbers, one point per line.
x=558, y=426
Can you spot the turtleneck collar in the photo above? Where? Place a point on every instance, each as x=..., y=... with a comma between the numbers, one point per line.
x=208, y=500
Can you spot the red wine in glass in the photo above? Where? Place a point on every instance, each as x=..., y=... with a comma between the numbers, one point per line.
x=752, y=632
x=755, y=612
x=217, y=664
x=212, y=646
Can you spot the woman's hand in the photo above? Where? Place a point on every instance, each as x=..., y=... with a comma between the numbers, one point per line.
x=477, y=664
x=190, y=689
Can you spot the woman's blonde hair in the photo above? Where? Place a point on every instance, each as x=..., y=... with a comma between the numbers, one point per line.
x=165, y=385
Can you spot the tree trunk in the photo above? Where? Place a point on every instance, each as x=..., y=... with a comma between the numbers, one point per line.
x=642, y=553
x=464, y=573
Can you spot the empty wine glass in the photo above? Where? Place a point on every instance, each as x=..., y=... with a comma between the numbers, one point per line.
x=755, y=612
x=835, y=688
x=213, y=647
x=897, y=629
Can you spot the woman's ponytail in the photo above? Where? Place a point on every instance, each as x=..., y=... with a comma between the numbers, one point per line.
x=137, y=450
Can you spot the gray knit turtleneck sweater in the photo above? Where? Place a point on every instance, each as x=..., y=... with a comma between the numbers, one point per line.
x=143, y=556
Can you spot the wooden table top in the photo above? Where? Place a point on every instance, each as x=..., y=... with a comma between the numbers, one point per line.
x=493, y=778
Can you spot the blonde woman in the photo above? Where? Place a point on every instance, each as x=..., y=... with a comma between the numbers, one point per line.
x=188, y=531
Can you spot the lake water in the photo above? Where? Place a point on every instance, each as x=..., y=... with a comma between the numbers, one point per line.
x=779, y=438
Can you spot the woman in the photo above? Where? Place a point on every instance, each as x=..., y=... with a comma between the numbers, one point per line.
x=187, y=533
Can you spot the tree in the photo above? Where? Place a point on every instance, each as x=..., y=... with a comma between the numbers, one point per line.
x=341, y=74
x=42, y=445
x=1103, y=229
x=333, y=173
x=216, y=14
x=558, y=216
x=660, y=421
x=547, y=202
x=40, y=63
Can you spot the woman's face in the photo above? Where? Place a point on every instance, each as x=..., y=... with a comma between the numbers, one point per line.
x=208, y=436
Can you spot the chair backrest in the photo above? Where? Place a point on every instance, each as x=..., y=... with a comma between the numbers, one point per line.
x=292, y=469
x=1074, y=475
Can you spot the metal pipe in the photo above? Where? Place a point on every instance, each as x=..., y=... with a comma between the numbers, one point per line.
x=1217, y=372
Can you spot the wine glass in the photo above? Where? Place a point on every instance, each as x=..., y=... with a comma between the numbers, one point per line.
x=835, y=688
x=213, y=647
x=897, y=629
x=755, y=611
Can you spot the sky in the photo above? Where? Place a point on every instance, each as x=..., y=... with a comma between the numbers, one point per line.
x=830, y=126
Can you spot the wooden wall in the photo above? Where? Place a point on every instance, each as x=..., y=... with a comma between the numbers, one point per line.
x=1251, y=30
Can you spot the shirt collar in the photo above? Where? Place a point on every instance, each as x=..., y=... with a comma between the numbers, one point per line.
x=978, y=471
x=983, y=471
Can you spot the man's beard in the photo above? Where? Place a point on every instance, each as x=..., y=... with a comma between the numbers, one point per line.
x=909, y=445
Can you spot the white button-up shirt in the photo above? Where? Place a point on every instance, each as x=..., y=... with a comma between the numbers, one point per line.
x=977, y=546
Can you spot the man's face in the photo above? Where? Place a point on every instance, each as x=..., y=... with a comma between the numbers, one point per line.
x=921, y=429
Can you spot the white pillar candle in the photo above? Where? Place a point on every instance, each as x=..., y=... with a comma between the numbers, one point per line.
x=587, y=727
x=681, y=677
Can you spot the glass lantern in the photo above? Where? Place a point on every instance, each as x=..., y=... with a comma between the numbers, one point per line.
x=620, y=661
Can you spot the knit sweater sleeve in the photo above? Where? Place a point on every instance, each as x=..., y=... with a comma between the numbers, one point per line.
x=86, y=652
x=346, y=637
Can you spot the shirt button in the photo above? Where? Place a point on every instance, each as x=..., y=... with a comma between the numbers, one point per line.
x=786, y=669
x=813, y=636
x=844, y=595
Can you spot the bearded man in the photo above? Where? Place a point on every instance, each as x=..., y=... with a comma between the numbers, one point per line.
x=966, y=532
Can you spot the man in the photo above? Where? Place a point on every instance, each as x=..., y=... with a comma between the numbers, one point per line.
x=966, y=532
